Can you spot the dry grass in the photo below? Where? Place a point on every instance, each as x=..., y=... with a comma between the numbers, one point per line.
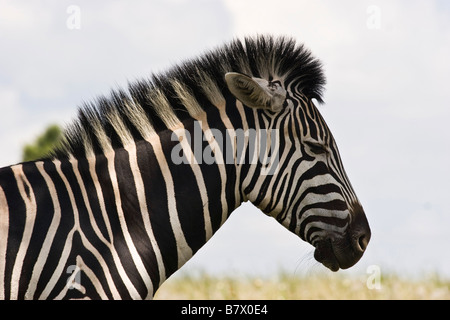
x=314, y=287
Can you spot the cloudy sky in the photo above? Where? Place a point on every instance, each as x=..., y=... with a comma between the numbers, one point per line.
x=387, y=103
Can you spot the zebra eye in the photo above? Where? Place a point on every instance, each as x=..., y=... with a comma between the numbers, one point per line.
x=316, y=148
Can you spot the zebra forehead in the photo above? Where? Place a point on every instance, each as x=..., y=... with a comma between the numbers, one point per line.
x=188, y=89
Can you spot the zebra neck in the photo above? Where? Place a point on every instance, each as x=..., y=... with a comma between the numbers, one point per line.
x=133, y=209
x=40, y=210
x=132, y=212
x=173, y=208
x=166, y=210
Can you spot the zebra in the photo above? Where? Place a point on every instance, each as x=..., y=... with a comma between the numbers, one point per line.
x=110, y=215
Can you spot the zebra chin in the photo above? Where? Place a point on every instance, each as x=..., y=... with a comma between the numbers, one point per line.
x=343, y=251
x=335, y=254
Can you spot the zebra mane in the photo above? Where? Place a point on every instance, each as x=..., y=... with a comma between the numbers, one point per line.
x=163, y=100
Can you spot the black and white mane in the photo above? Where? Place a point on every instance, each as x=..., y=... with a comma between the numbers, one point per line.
x=151, y=102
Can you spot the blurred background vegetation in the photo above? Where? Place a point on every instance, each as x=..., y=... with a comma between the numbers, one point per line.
x=333, y=286
x=43, y=144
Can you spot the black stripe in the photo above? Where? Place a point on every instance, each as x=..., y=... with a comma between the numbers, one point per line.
x=187, y=195
x=334, y=205
x=43, y=218
x=321, y=189
x=103, y=175
x=66, y=224
x=332, y=221
x=16, y=207
x=157, y=205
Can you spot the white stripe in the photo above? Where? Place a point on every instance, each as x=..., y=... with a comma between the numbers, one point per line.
x=230, y=128
x=198, y=178
x=53, y=228
x=313, y=198
x=196, y=112
x=251, y=171
x=93, y=277
x=325, y=226
x=81, y=266
x=315, y=181
x=72, y=283
x=4, y=228
x=130, y=147
x=184, y=252
x=220, y=162
x=117, y=262
x=101, y=200
x=98, y=233
x=140, y=191
x=68, y=244
x=129, y=241
x=321, y=212
x=30, y=207
x=60, y=267
x=256, y=158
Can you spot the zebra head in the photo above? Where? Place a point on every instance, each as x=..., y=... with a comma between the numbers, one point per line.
x=309, y=192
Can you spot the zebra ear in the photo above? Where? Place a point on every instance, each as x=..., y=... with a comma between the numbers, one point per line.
x=256, y=92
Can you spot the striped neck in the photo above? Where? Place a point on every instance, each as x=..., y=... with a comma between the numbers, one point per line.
x=132, y=211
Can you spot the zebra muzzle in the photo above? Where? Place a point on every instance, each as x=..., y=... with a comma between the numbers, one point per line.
x=342, y=252
x=337, y=254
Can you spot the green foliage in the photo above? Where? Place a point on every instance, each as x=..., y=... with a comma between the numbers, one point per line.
x=43, y=145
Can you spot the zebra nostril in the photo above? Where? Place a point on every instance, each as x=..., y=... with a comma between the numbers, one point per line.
x=360, y=230
x=362, y=242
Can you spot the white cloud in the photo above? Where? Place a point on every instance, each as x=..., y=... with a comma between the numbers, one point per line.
x=312, y=22
x=16, y=16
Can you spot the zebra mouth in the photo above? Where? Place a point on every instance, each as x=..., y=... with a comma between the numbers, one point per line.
x=324, y=254
x=337, y=253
